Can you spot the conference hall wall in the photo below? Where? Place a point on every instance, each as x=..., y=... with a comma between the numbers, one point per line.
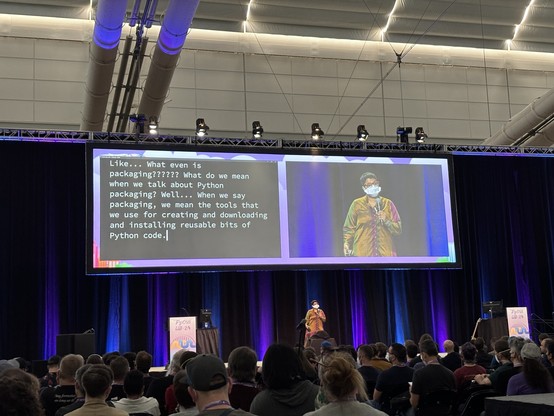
x=505, y=209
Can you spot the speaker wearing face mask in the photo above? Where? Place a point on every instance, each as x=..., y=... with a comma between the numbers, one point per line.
x=371, y=223
x=315, y=318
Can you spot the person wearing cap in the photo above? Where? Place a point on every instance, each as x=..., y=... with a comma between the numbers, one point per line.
x=315, y=318
x=534, y=378
x=209, y=386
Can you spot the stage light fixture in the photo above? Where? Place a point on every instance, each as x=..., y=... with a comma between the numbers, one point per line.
x=139, y=120
x=153, y=125
x=402, y=134
x=420, y=135
x=201, y=127
x=362, y=133
x=257, y=130
x=317, y=133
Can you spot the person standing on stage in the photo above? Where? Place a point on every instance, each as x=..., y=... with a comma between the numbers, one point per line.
x=315, y=318
x=371, y=223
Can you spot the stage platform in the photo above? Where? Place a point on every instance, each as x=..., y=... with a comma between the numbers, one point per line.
x=525, y=405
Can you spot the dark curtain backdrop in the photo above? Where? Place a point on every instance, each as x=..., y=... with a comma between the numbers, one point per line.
x=505, y=210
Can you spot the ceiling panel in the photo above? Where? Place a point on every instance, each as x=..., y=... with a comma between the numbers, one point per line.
x=474, y=23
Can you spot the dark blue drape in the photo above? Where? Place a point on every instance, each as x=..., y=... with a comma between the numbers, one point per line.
x=505, y=206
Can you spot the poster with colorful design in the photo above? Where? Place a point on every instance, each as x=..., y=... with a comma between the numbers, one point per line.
x=182, y=334
x=518, y=322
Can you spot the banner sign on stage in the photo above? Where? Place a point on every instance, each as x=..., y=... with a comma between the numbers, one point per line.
x=518, y=322
x=182, y=334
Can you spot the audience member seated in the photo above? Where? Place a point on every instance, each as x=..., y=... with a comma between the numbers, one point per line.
x=550, y=357
x=144, y=363
x=131, y=358
x=97, y=383
x=95, y=359
x=433, y=377
x=19, y=393
x=368, y=372
x=287, y=393
x=544, y=347
x=51, y=378
x=158, y=386
x=502, y=354
x=210, y=386
x=452, y=359
x=185, y=406
x=516, y=344
x=417, y=362
x=79, y=393
x=342, y=383
x=311, y=374
x=465, y=374
x=394, y=381
x=135, y=402
x=372, y=359
x=534, y=378
x=482, y=358
x=379, y=360
x=242, y=366
x=120, y=368
x=309, y=367
x=52, y=398
x=412, y=351
x=170, y=399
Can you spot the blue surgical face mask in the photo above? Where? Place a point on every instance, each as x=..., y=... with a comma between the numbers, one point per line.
x=373, y=190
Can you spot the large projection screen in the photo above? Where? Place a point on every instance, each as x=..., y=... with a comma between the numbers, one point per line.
x=170, y=209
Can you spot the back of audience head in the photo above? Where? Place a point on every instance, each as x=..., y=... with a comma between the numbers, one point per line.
x=479, y=343
x=412, y=350
x=516, y=344
x=448, y=346
x=366, y=351
x=97, y=381
x=120, y=367
x=185, y=357
x=79, y=378
x=180, y=386
x=109, y=356
x=380, y=350
x=69, y=366
x=341, y=380
x=175, y=363
x=429, y=348
x=502, y=349
x=349, y=349
x=131, y=358
x=242, y=364
x=469, y=352
x=535, y=373
x=94, y=359
x=19, y=394
x=399, y=352
x=143, y=362
x=425, y=337
x=133, y=385
x=281, y=367
x=207, y=377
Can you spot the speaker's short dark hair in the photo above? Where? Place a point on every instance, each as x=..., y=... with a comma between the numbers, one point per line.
x=367, y=175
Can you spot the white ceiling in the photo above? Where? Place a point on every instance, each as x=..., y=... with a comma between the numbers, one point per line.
x=469, y=23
